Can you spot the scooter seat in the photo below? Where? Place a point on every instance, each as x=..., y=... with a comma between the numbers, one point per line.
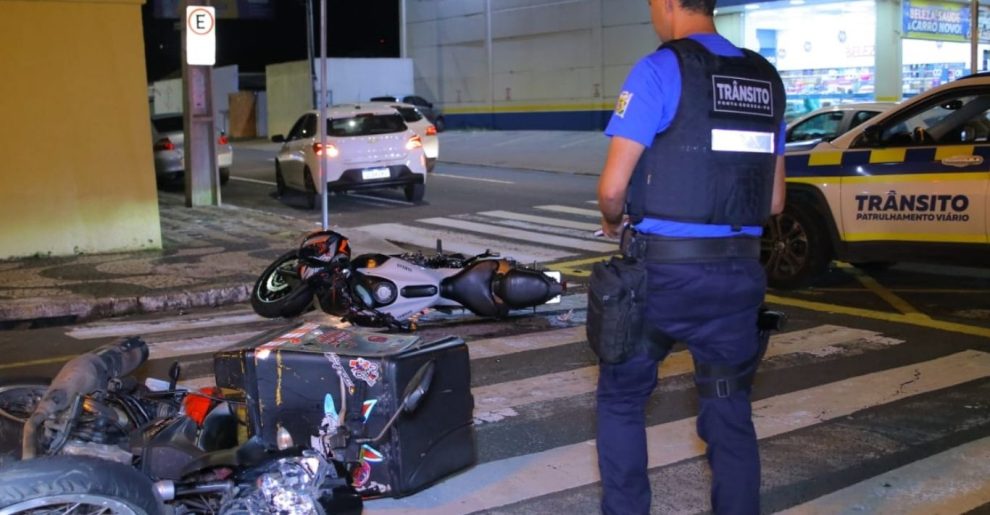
x=472, y=287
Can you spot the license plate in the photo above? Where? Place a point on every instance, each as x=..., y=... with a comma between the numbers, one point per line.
x=556, y=275
x=375, y=173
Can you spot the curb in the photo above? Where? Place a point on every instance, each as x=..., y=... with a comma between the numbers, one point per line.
x=35, y=312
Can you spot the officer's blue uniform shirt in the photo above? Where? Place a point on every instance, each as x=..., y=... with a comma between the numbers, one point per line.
x=647, y=106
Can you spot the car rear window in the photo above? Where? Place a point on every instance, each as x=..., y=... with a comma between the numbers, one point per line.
x=409, y=114
x=365, y=125
x=168, y=124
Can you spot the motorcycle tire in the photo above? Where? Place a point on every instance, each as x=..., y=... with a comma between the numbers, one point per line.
x=51, y=483
x=279, y=292
x=18, y=398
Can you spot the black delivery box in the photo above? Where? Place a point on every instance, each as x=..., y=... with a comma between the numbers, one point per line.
x=293, y=380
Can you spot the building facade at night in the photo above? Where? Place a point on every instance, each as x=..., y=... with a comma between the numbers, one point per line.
x=551, y=64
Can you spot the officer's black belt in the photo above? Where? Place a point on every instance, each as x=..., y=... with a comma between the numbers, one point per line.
x=686, y=250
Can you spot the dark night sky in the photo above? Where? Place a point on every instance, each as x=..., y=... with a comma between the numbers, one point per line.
x=354, y=29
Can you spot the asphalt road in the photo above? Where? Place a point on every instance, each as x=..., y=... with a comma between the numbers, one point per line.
x=451, y=189
x=855, y=413
x=873, y=399
x=478, y=198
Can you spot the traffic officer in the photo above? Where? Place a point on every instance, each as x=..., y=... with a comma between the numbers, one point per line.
x=695, y=167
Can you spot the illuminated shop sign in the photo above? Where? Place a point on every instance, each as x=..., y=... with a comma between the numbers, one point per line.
x=942, y=21
x=935, y=20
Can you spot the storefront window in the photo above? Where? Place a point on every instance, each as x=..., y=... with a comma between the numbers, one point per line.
x=824, y=52
x=936, y=48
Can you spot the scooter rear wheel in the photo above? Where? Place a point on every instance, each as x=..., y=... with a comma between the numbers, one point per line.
x=279, y=291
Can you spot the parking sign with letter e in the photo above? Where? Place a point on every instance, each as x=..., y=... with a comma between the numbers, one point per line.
x=201, y=35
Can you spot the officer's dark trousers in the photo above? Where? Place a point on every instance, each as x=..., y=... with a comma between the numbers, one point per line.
x=712, y=307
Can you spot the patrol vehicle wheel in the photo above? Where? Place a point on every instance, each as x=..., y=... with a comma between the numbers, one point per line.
x=794, y=249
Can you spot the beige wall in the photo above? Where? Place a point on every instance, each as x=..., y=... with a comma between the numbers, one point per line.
x=290, y=94
x=76, y=168
x=545, y=55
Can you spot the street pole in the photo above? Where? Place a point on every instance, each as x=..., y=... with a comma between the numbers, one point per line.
x=403, y=34
x=974, y=40
x=491, y=61
x=202, y=182
x=323, y=112
x=309, y=49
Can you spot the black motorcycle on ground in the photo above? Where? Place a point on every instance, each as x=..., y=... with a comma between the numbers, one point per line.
x=95, y=440
x=379, y=290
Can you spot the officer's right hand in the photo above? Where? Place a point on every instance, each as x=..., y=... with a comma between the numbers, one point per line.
x=613, y=231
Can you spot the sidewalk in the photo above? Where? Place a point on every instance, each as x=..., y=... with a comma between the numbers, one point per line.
x=211, y=256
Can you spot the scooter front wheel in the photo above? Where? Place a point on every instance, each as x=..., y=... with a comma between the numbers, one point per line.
x=76, y=484
x=280, y=291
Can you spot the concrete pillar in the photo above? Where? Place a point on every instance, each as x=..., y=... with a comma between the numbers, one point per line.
x=888, y=70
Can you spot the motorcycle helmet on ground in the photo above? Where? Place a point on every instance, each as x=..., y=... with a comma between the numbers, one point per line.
x=326, y=246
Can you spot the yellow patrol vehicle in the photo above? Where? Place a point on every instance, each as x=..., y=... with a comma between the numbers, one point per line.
x=910, y=184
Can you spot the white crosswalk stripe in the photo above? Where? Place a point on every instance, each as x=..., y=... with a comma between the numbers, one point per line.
x=494, y=484
x=105, y=329
x=519, y=388
x=954, y=481
x=496, y=231
x=465, y=243
x=593, y=213
x=549, y=233
x=495, y=401
x=543, y=220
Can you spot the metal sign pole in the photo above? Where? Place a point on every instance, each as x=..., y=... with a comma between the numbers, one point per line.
x=202, y=187
x=310, y=51
x=974, y=33
x=323, y=111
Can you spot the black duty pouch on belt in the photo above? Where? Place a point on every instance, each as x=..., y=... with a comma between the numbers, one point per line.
x=616, y=301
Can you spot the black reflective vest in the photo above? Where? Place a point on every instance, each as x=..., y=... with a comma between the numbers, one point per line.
x=715, y=162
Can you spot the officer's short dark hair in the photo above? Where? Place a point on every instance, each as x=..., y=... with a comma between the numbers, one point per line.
x=701, y=6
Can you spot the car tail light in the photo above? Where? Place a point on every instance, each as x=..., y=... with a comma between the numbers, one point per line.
x=431, y=130
x=223, y=139
x=331, y=149
x=164, y=144
x=414, y=143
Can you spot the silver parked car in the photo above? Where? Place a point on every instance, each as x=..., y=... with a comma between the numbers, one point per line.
x=416, y=121
x=432, y=113
x=368, y=147
x=168, y=140
x=830, y=122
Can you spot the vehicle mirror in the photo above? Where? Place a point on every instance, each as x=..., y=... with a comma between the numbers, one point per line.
x=871, y=135
x=278, y=138
x=418, y=386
